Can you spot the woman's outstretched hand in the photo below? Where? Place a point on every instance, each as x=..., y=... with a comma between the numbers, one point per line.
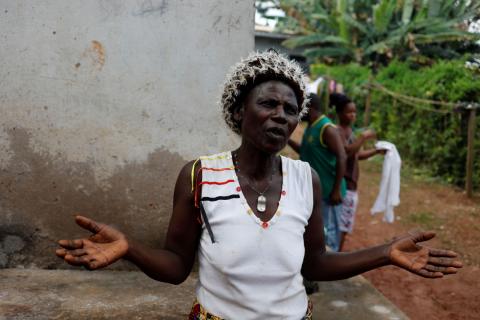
x=105, y=246
x=406, y=253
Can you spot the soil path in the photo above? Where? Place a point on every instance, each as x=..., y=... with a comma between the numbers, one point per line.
x=428, y=206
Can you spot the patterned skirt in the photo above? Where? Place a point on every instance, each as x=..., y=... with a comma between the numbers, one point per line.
x=199, y=313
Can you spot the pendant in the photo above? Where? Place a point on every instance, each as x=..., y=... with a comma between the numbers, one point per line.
x=261, y=203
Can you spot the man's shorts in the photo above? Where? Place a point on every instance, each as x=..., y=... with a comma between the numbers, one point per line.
x=331, y=224
x=349, y=208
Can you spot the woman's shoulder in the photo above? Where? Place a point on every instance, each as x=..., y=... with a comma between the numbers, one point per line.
x=300, y=168
x=296, y=164
x=292, y=161
x=217, y=156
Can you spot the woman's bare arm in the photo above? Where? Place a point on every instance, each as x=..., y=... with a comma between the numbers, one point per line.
x=174, y=263
x=404, y=252
x=171, y=264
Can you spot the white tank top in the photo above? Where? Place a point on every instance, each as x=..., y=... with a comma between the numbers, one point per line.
x=253, y=269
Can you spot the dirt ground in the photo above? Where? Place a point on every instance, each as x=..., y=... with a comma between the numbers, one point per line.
x=428, y=206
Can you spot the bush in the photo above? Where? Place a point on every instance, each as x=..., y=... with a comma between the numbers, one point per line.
x=432, y=140
x=352, y=76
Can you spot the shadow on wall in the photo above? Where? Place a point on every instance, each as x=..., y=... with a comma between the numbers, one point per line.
x=39, y=194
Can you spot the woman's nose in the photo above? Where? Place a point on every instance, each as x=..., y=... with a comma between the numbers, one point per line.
x=279, y=112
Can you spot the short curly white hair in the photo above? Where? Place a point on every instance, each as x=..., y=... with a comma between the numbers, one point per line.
x=257, y=68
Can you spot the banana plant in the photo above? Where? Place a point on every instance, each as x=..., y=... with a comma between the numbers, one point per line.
x=373, y=32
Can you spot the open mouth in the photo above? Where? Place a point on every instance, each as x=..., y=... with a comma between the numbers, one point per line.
x=275, y=132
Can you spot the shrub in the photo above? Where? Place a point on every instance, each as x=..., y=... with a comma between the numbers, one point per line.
x=425, y=138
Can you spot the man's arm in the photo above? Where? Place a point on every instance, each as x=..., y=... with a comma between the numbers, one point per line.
x=333, y=141
x=294, y=145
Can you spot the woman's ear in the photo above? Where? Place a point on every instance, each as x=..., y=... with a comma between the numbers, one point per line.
x=238, y=114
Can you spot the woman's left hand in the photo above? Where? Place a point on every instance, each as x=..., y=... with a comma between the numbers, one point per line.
x=406, y=253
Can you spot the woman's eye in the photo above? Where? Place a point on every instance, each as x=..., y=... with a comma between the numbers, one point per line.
x=268, y=103
x=291, y=110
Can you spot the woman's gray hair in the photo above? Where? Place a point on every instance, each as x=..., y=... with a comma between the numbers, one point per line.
x=257, y=68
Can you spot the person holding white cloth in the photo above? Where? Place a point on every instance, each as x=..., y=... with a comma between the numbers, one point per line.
x=347, y=114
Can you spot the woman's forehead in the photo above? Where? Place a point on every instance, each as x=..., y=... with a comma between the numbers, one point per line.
x=273, y=87
x=351, y=106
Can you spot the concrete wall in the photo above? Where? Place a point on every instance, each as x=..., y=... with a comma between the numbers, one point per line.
x=102, y=102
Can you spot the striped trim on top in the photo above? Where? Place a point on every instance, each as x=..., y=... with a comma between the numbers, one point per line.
x=218, y=183
x=232, y=196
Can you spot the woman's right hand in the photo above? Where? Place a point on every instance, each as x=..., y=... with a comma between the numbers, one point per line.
x=105, y=246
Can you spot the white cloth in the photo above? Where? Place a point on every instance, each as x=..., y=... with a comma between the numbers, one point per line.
x=312, y=87
x=253, y=270
x=389, y=194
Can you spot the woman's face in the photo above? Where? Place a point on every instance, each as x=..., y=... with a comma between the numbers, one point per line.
x=269, y=115
x=349, y=114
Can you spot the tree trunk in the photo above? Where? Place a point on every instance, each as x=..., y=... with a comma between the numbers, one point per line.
x=368, y=102
x=470, y=151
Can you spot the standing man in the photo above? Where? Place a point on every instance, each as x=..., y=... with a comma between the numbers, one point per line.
x=322, y=147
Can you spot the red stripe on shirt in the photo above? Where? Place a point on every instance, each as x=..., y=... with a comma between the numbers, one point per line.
x=217, y=182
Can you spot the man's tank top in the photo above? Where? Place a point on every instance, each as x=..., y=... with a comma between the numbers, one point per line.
x=314, y=151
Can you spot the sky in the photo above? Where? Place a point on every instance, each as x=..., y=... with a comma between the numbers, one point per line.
x=268, y=22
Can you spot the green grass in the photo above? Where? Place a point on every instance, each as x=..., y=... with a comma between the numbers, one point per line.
x=423, y=219
x=415, y=173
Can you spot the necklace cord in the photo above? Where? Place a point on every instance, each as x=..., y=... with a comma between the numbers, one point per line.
x=261, y=199
x=249, y=184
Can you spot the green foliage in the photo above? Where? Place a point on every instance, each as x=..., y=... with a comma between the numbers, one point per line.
x=435, y=140
x=352, y=76
x=429, y=140
x=373, y=32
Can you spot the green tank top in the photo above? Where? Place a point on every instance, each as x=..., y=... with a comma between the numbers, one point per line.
x=314, y=151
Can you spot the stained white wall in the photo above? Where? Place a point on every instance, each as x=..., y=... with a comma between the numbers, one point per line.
x=100, y=95
x=110, y=80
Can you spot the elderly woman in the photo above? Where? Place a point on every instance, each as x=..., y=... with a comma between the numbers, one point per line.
x=253, y=216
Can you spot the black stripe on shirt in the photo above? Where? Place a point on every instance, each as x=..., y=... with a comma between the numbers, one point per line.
x=232, y=196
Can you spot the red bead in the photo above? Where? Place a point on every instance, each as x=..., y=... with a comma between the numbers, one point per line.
x=284, y=192
x=196, y=309
x=264, y=225
x=238, y=189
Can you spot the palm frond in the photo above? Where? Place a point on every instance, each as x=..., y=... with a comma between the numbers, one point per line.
x=312, y=39
x=327, y=52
